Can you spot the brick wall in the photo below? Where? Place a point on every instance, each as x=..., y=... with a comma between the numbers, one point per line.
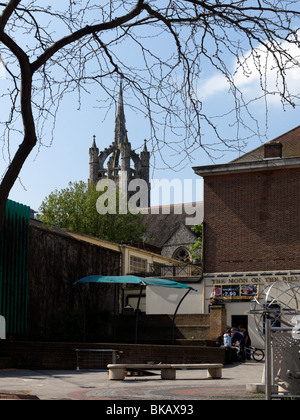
x=157, y=329
x=252, y=221
x=218, y=321
x=29, y=355
x=56, y=261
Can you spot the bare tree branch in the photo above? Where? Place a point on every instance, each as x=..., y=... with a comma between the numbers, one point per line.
x=87, y=30
x=52, y=50
x=8, y=11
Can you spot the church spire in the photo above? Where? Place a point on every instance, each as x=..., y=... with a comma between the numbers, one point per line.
x=94, y=162
x=94, y=146
x=120, y=126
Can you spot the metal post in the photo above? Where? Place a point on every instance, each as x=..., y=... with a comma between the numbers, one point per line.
x=116, y=311
x=83, y=312
x=268, y=363
x=174, y=316
x=114, y=356
x=137, y=316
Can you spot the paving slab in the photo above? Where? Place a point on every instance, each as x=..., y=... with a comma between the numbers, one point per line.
x=95, y=385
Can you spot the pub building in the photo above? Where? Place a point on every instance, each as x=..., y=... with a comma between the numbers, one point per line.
x=251, y=227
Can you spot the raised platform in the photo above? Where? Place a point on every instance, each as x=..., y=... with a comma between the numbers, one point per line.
x=49, y=355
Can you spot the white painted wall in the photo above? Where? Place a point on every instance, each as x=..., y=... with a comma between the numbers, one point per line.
x=243, y=308
x=164, y=300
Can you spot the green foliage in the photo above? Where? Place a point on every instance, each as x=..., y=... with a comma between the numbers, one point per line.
x=74, y=208
x=197, y=246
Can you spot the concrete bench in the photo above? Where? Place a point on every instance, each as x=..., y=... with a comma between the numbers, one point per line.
x=168, y=371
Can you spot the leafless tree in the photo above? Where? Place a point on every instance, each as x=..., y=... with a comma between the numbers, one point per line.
x=159, y=48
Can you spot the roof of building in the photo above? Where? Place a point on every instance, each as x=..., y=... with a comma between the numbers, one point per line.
x=102, y=243
x=255, y=160
x=290, y=147
x=161, y=227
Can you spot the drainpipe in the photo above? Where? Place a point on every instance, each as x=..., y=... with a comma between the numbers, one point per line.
x=202, y=268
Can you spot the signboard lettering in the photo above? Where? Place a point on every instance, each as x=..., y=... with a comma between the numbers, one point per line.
x=255, y=280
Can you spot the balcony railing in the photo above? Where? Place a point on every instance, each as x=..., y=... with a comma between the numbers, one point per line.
x=158, y=270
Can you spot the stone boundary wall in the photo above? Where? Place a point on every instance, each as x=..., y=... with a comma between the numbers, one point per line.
x=56, y=261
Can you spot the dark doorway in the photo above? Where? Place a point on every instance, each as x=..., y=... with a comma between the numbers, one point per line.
x=237, y=320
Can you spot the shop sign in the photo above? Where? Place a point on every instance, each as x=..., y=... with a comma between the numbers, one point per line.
x=254, y=280
x=235, y=292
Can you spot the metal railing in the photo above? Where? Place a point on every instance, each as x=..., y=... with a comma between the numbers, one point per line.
x=14, y=257
x=158, y=270
x=269, y=364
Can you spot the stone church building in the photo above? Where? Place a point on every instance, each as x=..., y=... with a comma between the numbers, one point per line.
x=167, y=234
x=119, y=156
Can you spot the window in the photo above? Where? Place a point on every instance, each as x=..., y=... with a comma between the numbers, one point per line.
x=182, y=254
x=137, y=265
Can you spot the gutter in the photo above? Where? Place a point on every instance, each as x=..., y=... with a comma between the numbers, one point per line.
x=251, y=166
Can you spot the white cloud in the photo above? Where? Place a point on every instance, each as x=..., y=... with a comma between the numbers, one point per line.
x=259, y=69
x=213, y=86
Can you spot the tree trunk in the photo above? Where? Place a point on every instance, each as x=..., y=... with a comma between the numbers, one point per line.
x=30, y=139
x=13, y=172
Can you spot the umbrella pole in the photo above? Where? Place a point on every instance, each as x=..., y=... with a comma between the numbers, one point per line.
x=115, y=312
x=137, y=316
x=83, y=311
x=175, y=313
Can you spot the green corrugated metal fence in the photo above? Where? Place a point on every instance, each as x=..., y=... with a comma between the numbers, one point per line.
x=14, y=248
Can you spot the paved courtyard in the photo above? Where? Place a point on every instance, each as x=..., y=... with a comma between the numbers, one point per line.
x=95, y=385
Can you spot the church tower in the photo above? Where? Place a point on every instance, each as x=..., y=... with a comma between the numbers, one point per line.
x=94, y=164
x=119, y=155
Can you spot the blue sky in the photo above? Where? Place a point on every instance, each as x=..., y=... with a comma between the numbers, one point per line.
x=67, y=159
x=51, y=167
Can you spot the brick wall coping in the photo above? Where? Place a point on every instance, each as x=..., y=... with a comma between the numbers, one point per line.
x=259, y=165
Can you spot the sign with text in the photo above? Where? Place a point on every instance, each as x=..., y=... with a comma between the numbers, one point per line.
x=254, y=280
x=235, y=292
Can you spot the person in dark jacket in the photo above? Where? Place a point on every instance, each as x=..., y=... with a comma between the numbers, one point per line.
x=239, y=337
x=247, y=338
x=219, y=341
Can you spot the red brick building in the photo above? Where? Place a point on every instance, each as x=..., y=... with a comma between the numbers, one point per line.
x=252, y=209
x=252, y=215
